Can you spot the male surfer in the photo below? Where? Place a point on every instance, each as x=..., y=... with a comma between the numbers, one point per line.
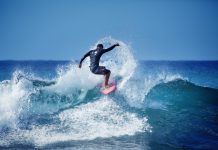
x=95, y=56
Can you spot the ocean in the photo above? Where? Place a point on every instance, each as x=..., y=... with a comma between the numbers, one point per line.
x=157, y=105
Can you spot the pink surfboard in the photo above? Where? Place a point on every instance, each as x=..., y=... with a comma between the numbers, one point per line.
x=110, y=89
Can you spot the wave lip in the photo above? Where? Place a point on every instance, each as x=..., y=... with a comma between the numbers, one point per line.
x=180, y=90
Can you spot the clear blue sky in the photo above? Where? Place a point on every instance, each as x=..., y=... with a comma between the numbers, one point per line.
x=65, y=29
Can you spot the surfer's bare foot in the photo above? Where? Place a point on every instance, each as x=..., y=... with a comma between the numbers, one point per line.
x=107, y=86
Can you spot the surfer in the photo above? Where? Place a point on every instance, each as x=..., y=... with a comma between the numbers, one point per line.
x=95, y=56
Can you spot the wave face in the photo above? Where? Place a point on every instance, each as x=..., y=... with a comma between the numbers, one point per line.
x=155, y=106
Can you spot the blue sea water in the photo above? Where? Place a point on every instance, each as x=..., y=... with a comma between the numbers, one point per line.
x=157, y=104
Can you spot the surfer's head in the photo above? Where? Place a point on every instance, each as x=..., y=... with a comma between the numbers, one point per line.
x=100, y=46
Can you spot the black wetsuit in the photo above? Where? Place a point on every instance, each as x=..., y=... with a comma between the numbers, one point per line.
x=95, y=56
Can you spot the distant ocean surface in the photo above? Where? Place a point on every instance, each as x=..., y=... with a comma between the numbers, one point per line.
x=157, y=104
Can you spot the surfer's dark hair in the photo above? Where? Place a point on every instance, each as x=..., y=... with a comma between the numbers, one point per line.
x=100, y=46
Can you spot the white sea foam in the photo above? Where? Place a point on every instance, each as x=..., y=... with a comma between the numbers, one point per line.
x=72, y=78
x=13, y=94
x=102, y=118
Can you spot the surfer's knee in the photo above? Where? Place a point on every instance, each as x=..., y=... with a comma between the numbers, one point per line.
x=108, y=72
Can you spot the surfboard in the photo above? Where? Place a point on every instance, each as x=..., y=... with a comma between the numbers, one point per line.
x=110, y=89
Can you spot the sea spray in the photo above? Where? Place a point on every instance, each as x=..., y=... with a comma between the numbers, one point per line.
x=13, y=99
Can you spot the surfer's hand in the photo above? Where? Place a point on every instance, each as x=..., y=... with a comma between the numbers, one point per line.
x=117, y=44
x=80, y=66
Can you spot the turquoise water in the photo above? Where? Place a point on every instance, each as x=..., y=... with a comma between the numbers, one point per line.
x=157, y=105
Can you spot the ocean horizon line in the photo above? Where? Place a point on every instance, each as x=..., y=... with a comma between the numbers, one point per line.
x=79, y=60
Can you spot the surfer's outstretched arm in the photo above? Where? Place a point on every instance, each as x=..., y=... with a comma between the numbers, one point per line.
x=110, y=48
x=86, y=55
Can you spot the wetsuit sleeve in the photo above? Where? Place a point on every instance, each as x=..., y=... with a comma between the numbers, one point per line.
x=86, y=55
x=109, y=49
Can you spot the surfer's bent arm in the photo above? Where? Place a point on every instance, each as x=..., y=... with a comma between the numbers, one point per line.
x=110, y=48
x=86, y=55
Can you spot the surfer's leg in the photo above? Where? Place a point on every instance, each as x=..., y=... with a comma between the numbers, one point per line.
x=106, y=75
x=103, y=71
x=106, y=78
